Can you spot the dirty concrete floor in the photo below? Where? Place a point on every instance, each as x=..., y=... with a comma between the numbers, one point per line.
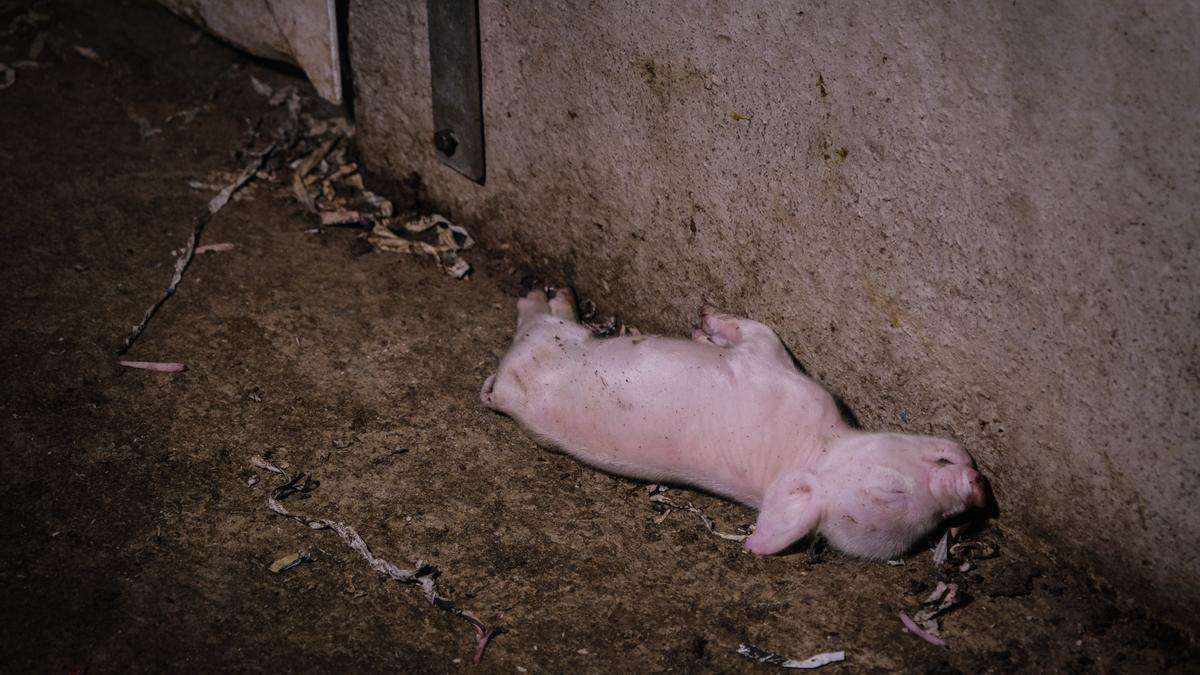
x=133, y=542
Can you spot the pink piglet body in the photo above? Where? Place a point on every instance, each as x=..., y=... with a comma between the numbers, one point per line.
x=728, y=412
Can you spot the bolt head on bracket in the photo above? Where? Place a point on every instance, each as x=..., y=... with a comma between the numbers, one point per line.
x=445, y=141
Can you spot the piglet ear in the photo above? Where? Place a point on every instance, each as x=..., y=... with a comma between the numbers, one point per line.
x=790, y=512
x=946, y=452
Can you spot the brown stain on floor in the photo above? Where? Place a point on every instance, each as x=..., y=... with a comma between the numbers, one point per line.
x=883, y=302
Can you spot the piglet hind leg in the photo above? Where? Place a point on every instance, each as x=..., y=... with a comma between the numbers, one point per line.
x=790, y=512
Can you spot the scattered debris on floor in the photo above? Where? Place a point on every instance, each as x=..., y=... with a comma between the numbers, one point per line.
x=262, y=88
x=157, y=366
x=920, y=632
x=978, y=549
x=946, y=595
x=600, y=327
x=328, y=184
x=943, y=598
x=763, y=656
x=451, y=239
x=219, y=201
x=181, y=263
x=657, y=497
x=324, y=181
x=422, y=573
x=215, y=248
x=91, y=55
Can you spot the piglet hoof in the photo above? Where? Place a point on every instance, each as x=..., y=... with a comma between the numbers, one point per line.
x=533, y=304
x=721, y=329
x=562, y=306
x=757, y=548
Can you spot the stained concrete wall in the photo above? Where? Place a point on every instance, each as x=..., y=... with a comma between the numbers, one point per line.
x=972, y=219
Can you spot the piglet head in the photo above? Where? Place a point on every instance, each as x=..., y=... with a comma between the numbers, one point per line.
x=887, y=491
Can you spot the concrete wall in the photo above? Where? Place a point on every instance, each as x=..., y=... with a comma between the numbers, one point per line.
x=974, y=219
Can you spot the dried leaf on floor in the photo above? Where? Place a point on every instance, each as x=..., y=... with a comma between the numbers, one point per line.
x=421, y=574
x=920, y=632
x=451, y=239
x=709, y=524
x=301, y=193
x=289, y=561
x=942, y=550
x=342, y=217
x=189, y=252
x=156, y=366
x=291, y=97
x=265, y=464
x=91, y=55
x=307, y=164
x=262, y=88
x=943, y=598
x=256, y=161
x=458, y=269
x=215, y=248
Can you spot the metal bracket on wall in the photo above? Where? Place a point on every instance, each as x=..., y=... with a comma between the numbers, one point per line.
x=454, y=67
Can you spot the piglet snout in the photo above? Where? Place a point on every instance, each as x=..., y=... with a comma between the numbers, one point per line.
x=973, y=489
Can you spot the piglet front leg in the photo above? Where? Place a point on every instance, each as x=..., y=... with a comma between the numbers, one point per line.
x=791, y=510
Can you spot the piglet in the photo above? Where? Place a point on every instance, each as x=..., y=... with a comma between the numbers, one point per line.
x=727, y=412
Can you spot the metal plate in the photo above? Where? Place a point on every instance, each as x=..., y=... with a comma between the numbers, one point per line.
x=457, y=87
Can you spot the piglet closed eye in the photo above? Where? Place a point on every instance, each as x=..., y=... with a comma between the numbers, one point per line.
x=727, y=412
